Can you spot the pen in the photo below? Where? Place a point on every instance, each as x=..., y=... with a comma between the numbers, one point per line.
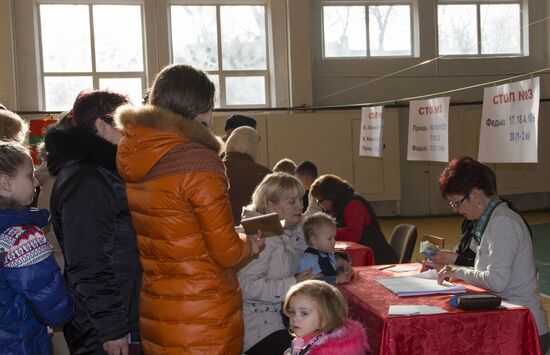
x=385, y=267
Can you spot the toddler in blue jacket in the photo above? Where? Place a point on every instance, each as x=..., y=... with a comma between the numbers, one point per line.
x=33, y=294
x=320, y=235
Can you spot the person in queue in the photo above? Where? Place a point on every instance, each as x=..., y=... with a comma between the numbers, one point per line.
x=91, y=220
x=12, y=127
x=354, y=216
x=285, y=165
x=177, y=193
x=306, y=172
x=33, y=294
x=236, y=121
x=243, y=173
x=504, y=262
x=266, y=279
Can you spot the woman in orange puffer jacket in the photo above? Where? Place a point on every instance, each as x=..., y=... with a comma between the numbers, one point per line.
x=177, y=193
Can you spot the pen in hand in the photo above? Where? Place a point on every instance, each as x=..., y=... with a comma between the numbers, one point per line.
x=385, y=267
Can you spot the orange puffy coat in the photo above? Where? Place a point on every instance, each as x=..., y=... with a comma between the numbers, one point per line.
x=177, y=193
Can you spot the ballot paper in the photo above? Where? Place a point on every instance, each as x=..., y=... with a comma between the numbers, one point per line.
x=413, y=309
x=416, y=286
x=428, y=274
x=402, y=268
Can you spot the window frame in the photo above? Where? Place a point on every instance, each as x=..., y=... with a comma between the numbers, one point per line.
x=94, y=73
x=523, y=35
x=224, y=73
x=366, y=5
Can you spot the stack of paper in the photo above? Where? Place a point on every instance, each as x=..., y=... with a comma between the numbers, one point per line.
x=415, y=286
x=413, y=309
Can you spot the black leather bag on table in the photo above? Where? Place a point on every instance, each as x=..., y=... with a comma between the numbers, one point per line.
x=475, y=301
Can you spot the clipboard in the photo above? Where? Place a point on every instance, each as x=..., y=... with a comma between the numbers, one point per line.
x=268, y=224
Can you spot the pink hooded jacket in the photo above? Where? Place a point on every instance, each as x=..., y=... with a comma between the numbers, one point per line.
x=349, y=339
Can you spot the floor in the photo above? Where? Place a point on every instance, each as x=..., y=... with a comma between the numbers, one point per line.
x=449, y=228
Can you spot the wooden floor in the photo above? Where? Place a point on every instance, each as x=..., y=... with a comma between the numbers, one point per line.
x=449, y=228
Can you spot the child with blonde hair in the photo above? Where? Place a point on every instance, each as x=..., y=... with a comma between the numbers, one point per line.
x=33, y=294
x=320, y=235
x=318, y=316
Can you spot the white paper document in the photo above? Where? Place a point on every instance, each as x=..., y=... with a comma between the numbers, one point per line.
x=413, y=309
x=402, y=268
x=428, y=274
x=416, y=286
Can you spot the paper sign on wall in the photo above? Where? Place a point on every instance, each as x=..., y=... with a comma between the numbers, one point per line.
x=372, y=123
x=428, y=130
x=509, y=123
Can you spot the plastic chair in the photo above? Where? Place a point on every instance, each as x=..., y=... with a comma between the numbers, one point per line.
x=435, y=240
x=402, y=241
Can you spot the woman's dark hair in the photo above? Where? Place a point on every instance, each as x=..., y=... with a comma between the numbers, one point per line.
x=331, y=187
x=463, y=174
x=184, y=90
x=90, y=105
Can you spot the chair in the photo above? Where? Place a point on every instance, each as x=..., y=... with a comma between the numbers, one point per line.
x=435, y=240
x=402, y=241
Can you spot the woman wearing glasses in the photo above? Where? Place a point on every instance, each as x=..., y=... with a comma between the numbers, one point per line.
x=504, y=261
x=354, y=215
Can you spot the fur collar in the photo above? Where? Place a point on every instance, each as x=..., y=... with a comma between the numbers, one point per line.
x=165, y=120
x=66, y=143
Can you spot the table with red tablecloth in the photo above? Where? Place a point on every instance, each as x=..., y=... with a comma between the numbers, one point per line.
x=498, y=331
x=359, y=254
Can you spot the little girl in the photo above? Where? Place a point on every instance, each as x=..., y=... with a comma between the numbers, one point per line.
x=318, y=318
x=32, y=290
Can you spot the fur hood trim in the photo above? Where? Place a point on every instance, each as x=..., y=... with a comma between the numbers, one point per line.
x=164, y=120
x=349, y=339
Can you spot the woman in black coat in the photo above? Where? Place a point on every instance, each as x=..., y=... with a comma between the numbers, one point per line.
x=91, y=220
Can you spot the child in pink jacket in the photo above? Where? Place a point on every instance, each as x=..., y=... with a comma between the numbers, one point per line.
x=318, y=318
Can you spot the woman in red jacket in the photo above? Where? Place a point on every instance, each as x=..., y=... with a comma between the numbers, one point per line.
x=355, y=217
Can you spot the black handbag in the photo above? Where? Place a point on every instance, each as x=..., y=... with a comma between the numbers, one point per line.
x=475, y=301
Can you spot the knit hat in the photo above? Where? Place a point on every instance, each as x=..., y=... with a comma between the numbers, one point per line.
x=244, y=140
x=236, y=121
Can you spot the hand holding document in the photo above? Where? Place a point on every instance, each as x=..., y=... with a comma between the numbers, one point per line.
x=269, y=224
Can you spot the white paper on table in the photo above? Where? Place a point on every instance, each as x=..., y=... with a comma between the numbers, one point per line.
x=413, y=309
x=416, y=286
x=509, y=305
x=428, y=274
x=402, y=268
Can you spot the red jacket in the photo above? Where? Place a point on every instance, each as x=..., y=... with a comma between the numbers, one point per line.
x=177, y=193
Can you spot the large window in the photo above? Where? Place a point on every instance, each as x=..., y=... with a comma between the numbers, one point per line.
x=229, y=42
x=87, y=46
x=373, y=30
x=479, y=28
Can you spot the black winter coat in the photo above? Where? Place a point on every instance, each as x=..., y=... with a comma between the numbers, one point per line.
x=92, y=222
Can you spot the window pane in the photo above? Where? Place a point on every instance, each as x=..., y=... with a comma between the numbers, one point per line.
x=117, y=38
x=457, y=29
x=65, y=38
x=61, y=91
x=243, y=37
x=500, y=29
x=344, y=30
x=245, y=90
x=389, y=30
x=194, y=36
x=216, y=80
x=130, y=87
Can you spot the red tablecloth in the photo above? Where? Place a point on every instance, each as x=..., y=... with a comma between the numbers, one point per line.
x=360, y=255
x=500, y=331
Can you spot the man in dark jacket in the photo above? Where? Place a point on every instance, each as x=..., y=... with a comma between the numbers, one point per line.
x=92, y=222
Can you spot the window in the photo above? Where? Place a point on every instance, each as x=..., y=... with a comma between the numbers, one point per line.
x=479, y=28
x=228, y=42
x=89, y=48
x=367, y=31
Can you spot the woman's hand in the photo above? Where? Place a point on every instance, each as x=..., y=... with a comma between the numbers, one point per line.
x=256, y=242
x=117, y=346
x=446, y=272
x=444, y=257
x=427, y=265
x=306, y=275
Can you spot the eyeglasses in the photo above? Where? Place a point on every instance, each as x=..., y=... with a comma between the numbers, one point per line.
x=456, y=205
